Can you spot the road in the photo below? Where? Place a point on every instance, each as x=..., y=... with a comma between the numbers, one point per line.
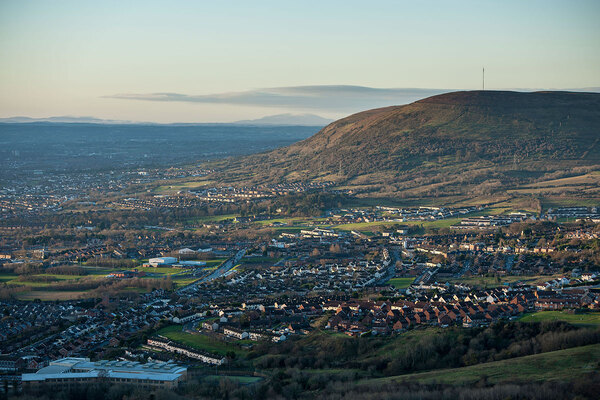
x=217, y=273
x=466, y=267
x=390, y=271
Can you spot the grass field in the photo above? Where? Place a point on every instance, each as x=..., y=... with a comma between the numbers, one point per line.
x=53, y=279
x=50, y=295
x=31, y=290
x=586, y=319
x=214, y=262
x=183, y=281
x=359, y=226
x=491, y=281
x=401, y=283
x=6, y=277
x=379, y=225
x=177, y=186
x=562, y=365
x=258, y=260
x=160, y=270
x=199, y=341
x=568, y=202
x=590, y=179
x=288, y=221
x=215, y=218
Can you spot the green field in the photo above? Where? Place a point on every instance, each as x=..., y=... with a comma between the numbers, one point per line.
x=215, y=218
x=50, y=295
x=289, y=221
x=214, y=262
x=359, y=226
x=379, y=225
x=257, y=260
x=43, y=290
x=492, y=281
x=62, y=277
x=560, y=365
x=199, y=341
x=161, y=270
x=179, y=282
x=7, y=277
x=177, y=186
x=13, y=279
x=99, y=271
x=401, y=283
x=585, y=319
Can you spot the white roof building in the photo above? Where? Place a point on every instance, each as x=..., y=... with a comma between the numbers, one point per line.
x=81, y=370
x=186, y=251
x=155, y=262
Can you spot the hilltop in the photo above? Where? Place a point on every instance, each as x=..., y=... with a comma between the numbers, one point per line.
x=471, y=143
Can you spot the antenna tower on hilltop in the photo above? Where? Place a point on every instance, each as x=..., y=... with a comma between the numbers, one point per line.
x=483, y=80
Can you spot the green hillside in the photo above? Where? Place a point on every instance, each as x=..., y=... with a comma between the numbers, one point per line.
x=468, y=144
x=561, y=365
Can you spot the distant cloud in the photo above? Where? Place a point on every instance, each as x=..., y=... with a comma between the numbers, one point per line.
x=334, y=98
x=325, y=98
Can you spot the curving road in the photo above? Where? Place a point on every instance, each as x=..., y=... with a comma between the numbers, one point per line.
x=217, y=273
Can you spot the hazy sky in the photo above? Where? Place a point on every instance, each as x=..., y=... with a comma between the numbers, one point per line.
x=193, y=61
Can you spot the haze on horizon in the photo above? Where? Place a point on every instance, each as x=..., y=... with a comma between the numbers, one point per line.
x=207, y=62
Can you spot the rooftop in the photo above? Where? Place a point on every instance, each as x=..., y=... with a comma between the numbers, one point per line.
x=71, y=367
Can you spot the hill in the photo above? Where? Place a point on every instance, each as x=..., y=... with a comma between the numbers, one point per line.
x=288, y=119
x=469, y=144
x=564, y=365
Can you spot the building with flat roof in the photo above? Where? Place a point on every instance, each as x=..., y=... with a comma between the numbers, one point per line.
x=72, y=371
x=160, y=261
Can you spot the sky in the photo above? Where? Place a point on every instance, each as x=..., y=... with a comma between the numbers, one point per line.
x=222, y=61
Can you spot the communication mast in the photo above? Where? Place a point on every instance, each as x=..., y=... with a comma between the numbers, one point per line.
x=483, y=80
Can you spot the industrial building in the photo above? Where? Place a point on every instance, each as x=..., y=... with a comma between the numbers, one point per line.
x=160, y=261
x=71, y=371
x=173, y=262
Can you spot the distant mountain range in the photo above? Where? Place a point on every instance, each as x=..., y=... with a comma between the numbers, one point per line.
x=279, y=119
x=64, y=120
x=288, y=119
x=461, y=143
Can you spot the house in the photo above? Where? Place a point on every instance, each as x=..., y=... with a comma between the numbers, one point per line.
x=588, y=276
x=553, y=303
x=11, y=363
x=444, y=320
x=164, y=343
x=236, y=333
x=185, y=318
x=210, y=326
x=474, y=320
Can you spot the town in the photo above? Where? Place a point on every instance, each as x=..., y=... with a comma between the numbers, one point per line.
x=204, y=293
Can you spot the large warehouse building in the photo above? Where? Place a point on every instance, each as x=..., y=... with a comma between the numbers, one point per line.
x=72, y=371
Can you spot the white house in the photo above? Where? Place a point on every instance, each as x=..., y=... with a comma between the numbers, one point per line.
x=236, y=333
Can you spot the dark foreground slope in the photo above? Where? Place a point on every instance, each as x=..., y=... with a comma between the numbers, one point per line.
x=462, y=143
